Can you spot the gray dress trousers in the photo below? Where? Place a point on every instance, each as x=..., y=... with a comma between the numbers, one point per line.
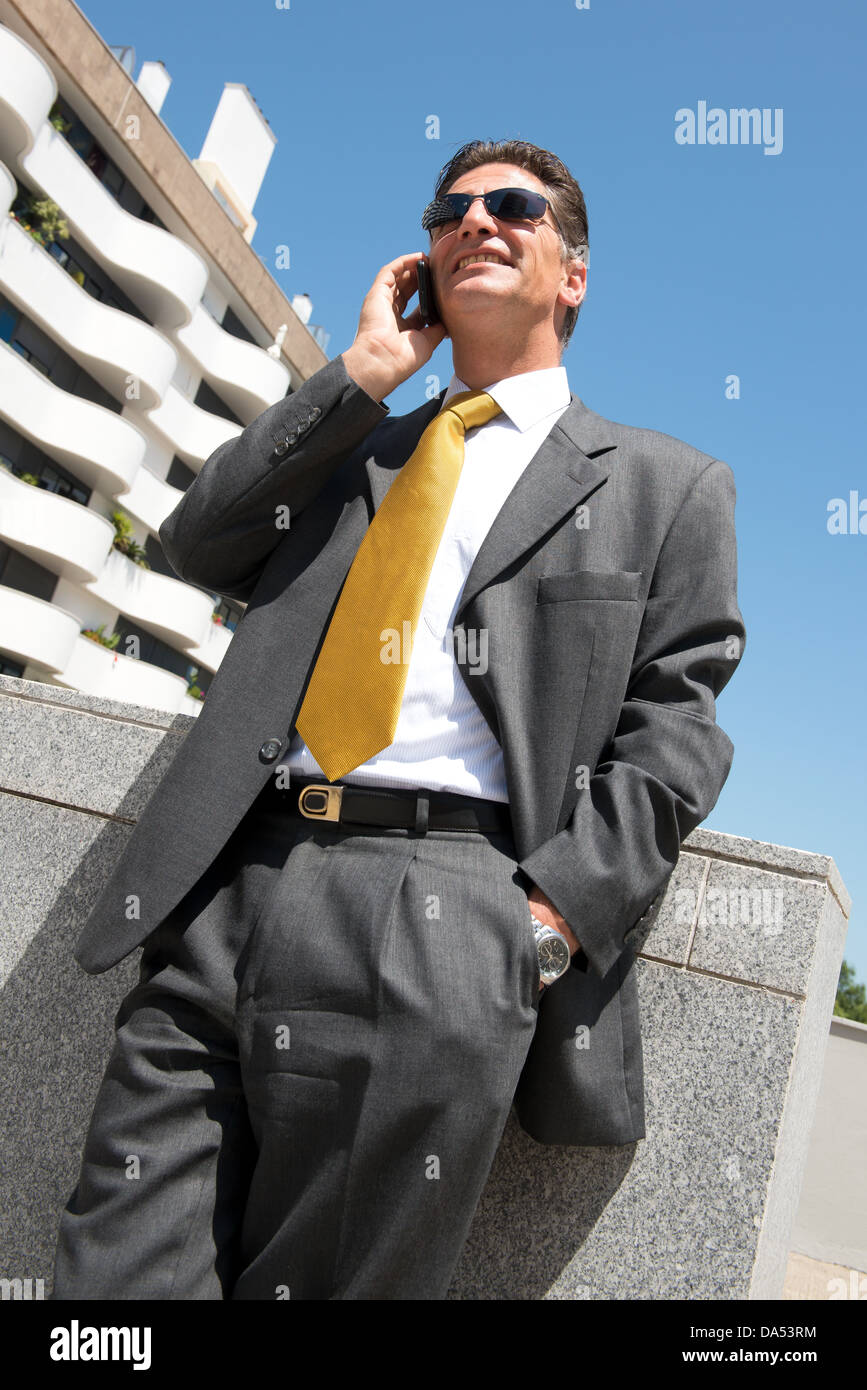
x=311, y=1078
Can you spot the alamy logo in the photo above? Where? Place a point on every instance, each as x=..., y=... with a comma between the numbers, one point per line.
x=77, y=1343
x=737, y=126
x=24, y=1289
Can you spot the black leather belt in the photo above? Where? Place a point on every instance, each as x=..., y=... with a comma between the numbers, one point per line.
x=388, y=807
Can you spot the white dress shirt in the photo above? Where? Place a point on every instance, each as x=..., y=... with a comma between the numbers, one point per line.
x=442, y=741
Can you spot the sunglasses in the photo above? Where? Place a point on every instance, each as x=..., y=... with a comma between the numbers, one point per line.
x=509, y=204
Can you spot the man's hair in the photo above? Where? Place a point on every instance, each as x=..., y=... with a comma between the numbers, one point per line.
x=563, y=191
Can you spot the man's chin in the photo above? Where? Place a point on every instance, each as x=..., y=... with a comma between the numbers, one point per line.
x=470, y=313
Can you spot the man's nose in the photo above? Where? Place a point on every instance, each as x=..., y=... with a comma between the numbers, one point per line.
x=477, y=216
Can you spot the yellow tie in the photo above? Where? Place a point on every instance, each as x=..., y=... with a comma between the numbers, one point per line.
x=352, y=703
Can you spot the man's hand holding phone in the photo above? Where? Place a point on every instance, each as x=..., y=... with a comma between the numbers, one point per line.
x=388, y=348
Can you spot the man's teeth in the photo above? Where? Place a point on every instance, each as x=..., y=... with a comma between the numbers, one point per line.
x=472, y=260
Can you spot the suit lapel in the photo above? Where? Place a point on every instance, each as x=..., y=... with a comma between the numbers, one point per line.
x=559, y=477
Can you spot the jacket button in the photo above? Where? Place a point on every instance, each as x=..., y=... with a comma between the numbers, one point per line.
x=269, y=750
x=282, y=447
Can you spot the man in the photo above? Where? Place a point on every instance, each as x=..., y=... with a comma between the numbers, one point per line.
x=482, y=663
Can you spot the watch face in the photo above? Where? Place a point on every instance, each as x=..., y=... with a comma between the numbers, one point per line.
x=554, y=955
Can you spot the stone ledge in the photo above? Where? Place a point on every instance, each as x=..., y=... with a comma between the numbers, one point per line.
x=735, y=1019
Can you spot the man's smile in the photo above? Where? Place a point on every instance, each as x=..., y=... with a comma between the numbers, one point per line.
x=477, y=258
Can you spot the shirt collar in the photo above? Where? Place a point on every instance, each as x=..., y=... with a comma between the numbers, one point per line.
x=527, y=398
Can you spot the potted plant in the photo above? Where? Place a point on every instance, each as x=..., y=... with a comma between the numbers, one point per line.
x=58, y=121
x=46, y=222
x=124, y=542
x=98, y=635
x=192, y=689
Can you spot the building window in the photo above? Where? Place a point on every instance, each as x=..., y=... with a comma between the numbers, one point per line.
x=30, y=357
x=233, y=325
x=62, y=483
x=96, y=160
x=179, y=475
x=207, y=399
x=8, y=320
x=18, y=571
x=228, y=613
x=156, y=557
x=113, y=180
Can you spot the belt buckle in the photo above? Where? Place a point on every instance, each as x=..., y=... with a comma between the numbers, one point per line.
x=328, y=807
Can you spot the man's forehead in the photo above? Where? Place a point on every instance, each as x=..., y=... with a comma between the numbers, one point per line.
x=495, y=176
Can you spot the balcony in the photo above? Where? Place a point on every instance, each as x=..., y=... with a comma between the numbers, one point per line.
x=27, y=92
x=70, y=540
x=103, y=449
x=97, y=670
x=150, y=499
x=111, y=345
x=36, y=632
x=242, y=373
x=172, y=610
x=210, y=652
x=191, y=433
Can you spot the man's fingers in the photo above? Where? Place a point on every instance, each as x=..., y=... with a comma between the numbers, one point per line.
x=400, y=279
x=405, y=293
x=407, y=280
x=402, y=267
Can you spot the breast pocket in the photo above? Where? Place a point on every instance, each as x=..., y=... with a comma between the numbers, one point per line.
x=613, y=585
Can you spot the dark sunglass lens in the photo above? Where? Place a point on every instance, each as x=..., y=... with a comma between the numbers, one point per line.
x=516, y=204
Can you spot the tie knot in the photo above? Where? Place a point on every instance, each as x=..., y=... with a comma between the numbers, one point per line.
x=473, y=408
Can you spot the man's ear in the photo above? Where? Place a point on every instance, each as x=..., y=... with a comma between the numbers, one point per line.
x=576, y=280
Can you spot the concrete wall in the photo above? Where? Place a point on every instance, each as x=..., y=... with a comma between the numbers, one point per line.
x=831, y=1222
x=737, y=978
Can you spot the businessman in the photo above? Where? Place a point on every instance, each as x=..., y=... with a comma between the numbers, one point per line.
x=395, y=877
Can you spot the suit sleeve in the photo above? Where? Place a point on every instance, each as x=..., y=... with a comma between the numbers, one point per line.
x=668, y=759
x=225, y=526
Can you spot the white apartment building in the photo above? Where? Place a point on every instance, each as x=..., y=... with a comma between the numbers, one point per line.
x=130, y=348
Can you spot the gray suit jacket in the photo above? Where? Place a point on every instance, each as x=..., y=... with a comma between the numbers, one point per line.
x=607, y=586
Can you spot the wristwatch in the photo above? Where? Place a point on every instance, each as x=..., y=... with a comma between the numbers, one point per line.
x=553, y=948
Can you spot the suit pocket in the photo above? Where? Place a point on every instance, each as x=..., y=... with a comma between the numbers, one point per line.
x=579, y=1084
x=530, y=952
x=616, y=585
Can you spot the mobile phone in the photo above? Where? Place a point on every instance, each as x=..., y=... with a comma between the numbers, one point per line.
x=426, y=300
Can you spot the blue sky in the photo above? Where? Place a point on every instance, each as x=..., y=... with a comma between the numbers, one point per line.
x=706, y=260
